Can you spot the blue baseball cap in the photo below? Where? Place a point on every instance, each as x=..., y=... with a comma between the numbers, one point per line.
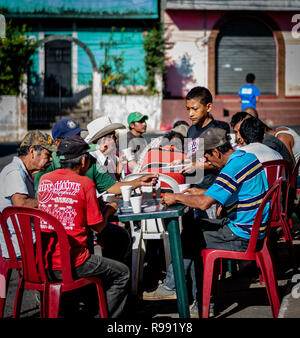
x=64, y=128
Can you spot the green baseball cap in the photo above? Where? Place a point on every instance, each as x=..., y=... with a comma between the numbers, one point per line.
x=136, y=117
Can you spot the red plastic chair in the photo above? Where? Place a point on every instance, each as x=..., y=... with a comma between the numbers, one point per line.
x=33, y=275
x=276, y=169
x=6, y=267
x=263, y=258
x=291, y=195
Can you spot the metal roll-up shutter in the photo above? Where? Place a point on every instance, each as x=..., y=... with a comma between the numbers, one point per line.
x=245, y=46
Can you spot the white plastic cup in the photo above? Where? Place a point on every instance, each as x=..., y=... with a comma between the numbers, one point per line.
x=128, y=154
x=136, y=203
x=183, y=186
x=126, y=192
x=108, y=197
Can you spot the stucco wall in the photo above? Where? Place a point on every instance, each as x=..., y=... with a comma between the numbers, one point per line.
x=188, y=33
x=118, y=107
x=13, y=118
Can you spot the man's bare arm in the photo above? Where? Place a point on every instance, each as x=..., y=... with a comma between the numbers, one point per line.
x=22, y=200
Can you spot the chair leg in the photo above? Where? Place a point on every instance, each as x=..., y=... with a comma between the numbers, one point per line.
x=4, y=280
x=18, y=299
x=53, y=301
x=208, y=272
x=102, y=301
x=265, y=263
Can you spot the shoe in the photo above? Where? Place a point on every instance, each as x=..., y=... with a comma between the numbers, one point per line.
x=161, y=293
x=194, y=312
x=211, y=312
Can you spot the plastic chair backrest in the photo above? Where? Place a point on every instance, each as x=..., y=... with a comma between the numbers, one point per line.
x=32, y=254
x=294, y=175
x=271, y=194
x=276, y=169
x=170, y=181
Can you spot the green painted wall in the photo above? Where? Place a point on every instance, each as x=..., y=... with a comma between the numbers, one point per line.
x=84, y=9
x=129, y=43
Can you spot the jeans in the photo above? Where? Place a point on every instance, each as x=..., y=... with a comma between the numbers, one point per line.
x=115, y=278
x=115, y=242
x=214, y=234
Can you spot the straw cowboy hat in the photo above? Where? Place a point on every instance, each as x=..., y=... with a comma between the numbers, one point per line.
x=101, y=127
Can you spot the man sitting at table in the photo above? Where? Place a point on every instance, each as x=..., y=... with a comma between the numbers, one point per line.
x=114, y=240
x=71, y=197
x=239, y=188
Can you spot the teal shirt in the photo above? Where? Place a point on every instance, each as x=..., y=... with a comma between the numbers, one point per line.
x=97, y=173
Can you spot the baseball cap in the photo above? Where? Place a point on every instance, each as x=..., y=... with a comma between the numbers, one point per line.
x=181, y=129
x=65, y=127
x=136, y=117
x=74, y=146
x=38, y=138
x=214, y=137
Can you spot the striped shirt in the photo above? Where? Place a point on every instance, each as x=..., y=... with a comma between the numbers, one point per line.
x=240, y=188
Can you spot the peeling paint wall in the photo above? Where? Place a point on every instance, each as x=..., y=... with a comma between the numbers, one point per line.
x=13, y=118
x=118, y=107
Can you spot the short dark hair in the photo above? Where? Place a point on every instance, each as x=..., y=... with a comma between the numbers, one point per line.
x=238, y=117
x=201, y=93
x=252, y=130
x=250, y=78
x=179, y=123
x=23, y=151
x=224, y=148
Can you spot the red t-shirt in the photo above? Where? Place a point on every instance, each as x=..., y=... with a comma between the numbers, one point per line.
x=71, y=198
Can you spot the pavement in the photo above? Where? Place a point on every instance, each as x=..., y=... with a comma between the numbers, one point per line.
x=241, y=294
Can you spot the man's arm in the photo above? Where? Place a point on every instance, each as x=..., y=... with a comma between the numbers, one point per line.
x=202, y=202
x=110, y=209
x=145, y=180
x=22, y=200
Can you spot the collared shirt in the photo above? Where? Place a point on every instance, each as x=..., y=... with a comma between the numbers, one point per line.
x=14, y=179
x=240, y=187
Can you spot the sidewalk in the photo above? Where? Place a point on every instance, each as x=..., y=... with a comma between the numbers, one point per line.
x=241, y=296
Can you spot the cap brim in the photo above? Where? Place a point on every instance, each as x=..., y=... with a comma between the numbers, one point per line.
x=51, y=147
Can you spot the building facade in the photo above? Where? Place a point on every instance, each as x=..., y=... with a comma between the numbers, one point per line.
x=77, y=37
x=216, y=43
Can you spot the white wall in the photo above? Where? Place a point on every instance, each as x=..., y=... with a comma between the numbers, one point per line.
x=292, y=62
x=13, y=118
x=118, y=107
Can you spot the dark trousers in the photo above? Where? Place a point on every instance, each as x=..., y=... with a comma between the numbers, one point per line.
x=115, y=278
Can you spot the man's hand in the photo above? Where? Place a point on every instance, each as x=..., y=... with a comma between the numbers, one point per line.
x=192, y=167
x=111, y=208
x=168, y=199
x=148, y=180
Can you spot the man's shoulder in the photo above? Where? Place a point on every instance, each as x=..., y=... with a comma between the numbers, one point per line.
x=14, y=166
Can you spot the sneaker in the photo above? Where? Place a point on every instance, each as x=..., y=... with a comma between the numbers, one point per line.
x=194, y=312
x=161, y=293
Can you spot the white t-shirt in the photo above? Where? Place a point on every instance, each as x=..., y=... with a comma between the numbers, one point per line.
x=262, y=152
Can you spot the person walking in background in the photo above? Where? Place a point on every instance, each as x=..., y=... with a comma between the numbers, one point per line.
x=249, y=94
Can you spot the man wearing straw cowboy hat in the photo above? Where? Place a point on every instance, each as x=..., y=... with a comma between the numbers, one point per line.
x=102, y=131
x=104, y=183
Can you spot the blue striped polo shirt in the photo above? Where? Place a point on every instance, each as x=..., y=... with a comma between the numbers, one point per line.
x=240, y=188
